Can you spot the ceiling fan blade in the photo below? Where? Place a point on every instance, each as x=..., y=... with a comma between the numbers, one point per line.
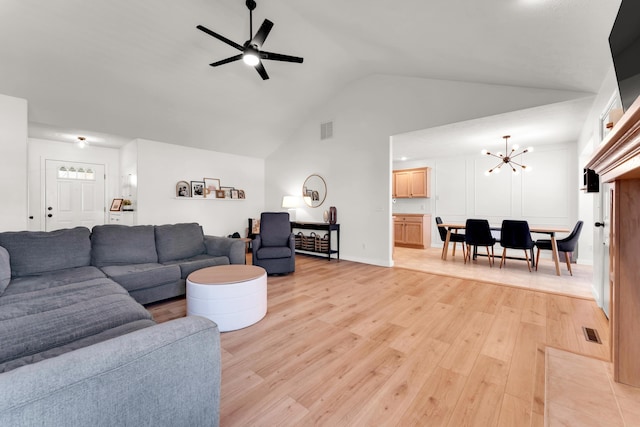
x=262, y=33
x=219, y=37
x=226, y=61
x=279, y=57
x=263, y=73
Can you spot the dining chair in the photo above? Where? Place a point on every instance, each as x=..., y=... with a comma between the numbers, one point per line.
x=566, y=245
x=516, y=235
x=455, y=238
x=478, y=233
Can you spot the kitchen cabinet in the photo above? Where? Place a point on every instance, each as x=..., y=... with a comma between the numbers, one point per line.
x=412, y=230
x=411, y=183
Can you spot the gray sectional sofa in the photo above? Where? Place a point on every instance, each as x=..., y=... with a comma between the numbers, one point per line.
x=78, y=348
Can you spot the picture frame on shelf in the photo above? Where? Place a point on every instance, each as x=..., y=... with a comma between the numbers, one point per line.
x=219, y=194
x=183, y=189
x=116, y=205
x=211, y=185
x=197, y=189
x=234, y=194
x=241, y=194
x=227, y=191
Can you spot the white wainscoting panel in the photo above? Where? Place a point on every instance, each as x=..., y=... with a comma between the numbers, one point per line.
x=492, y=194
x=451, y=187
x=546, y=190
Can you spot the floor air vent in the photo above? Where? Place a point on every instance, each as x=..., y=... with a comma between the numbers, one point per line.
x=591, y=335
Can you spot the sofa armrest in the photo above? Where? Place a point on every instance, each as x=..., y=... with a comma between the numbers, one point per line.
x=226, y=246
x=166, y=374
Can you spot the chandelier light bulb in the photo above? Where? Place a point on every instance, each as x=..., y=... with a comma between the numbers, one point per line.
x=530, y=149
x=483, y=152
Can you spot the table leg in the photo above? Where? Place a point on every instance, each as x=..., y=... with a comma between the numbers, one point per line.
x=446, y=245
x=554, y=248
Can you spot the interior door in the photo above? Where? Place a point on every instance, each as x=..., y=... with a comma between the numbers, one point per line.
x=74, y=195
x=602, y=245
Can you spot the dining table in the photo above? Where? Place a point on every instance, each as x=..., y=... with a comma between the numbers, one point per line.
x=551, y=231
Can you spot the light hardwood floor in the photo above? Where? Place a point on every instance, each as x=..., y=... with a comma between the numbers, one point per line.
x=514, y=273
x=348, y=344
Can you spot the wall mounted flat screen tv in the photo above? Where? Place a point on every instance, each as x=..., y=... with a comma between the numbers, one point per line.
x=624, y=42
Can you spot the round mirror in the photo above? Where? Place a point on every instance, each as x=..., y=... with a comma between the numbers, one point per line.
x=314, y=191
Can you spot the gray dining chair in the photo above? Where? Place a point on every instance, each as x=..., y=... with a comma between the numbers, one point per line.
x=455, y=238
x=478, y=233
x=566, y=245
x=516, y=235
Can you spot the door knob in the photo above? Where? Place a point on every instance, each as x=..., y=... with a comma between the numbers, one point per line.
x=599, y=224
x=50, y=215
x=49, y=208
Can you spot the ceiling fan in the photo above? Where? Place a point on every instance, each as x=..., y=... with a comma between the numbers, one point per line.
x=252, y=53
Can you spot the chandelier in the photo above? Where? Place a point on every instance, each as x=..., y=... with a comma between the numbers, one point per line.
x=508, y=158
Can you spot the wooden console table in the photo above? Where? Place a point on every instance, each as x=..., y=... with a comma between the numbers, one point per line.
x=320, y=226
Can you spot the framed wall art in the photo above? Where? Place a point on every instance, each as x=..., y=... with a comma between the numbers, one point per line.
x=227, y=191
x=219, y=194
x=211, y=185
x=197, y=189
x=183, y=189
x=116, y=205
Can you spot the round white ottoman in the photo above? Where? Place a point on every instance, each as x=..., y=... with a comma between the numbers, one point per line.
x=234, y=296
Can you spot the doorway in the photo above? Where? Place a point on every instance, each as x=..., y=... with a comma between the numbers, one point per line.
x=601, y=253
x=74, y=194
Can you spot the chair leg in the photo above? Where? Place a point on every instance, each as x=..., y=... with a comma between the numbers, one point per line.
x=465, y=257
x=526, y=255
x=567, y=257
x=538, y=258
x=442, y=253
x=502, y=260
x=490, y=257
x=454, y=248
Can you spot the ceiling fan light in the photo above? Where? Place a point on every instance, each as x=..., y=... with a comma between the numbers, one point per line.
x=250, y=57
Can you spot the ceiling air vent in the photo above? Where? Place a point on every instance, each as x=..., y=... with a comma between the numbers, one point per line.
x=326, y=130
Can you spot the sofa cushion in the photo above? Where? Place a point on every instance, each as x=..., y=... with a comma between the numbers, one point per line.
x=5, y=269
x=123, y=245
x=274, y=252
x=179, y=241
x=62, y=315
x=33, y=252
x=54, y=279
x=275, y=228
x=188, y=266
x=142, y=276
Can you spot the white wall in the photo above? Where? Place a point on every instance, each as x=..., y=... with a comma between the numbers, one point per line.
x=13, y=163
x=356, y=162
x=160, y=166
x=42, y=149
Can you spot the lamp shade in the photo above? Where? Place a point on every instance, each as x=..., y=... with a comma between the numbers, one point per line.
x=290, y=202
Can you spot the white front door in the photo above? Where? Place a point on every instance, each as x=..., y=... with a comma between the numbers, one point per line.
x=74, y=195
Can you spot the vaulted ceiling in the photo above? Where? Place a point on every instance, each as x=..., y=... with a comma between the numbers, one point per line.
x=140, y=68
